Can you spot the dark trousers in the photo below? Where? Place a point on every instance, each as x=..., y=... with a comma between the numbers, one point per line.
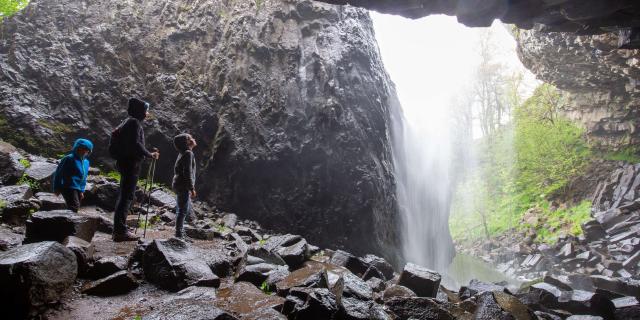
x=129, y=173
x=183, y=210
x=71, y=198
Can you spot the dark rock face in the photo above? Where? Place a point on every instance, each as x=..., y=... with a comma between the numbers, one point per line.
x=588, y=16
x=289, y=101
x=34, y=275
x=600, y=81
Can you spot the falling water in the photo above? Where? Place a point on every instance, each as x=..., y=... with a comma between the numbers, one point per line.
x=422, y=162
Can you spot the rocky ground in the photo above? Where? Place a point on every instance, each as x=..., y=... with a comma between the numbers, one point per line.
x=55, y=264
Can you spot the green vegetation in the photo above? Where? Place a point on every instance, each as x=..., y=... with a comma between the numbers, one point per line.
x=629, y=154
x=2, y=205
x=222, y=229
x=520, y=165
x=265, y=288
x=10, y=7
x=151, y=222
x=25, y=163
x=32, y=183
x=115, y=175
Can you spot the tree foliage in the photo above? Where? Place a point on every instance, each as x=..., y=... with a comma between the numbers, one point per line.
x=10, y=7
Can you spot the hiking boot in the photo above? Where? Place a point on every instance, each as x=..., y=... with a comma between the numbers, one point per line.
x=127, y=236
x=184, y=238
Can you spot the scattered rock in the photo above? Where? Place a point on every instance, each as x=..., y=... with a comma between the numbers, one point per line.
x=345, y=259
x=34, y=275
x=118, y=283
x=420, y=280
x=42, y=172
x=244, y=299
x=49, y=201
x=311, y=275
x=9, y=239
x=230, y=220
x=59, y=224
x=164, y=199
x=172, y=265
x=419, y=308
x=310, y=303
x=83, y=251
x=11, y=169
x=107, y=266
x=397, y=291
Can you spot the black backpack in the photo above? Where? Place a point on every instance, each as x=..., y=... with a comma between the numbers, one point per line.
x=116, y=145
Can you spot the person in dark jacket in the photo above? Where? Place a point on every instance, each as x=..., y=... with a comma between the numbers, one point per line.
x=129, y=165
x=184, y=178
x=70, y=178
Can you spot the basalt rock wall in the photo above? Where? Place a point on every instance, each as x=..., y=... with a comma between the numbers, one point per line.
x=289, y=101
x=601, y=81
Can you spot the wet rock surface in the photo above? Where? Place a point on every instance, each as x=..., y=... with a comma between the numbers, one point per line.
x=589, y=16
x=35, y=275
x=261, y=85
x=57, y=225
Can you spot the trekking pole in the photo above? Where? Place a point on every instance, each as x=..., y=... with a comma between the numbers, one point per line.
x=144, y=191
x=152, y=170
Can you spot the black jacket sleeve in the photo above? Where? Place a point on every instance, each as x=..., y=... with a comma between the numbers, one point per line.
x=135, y=137
x=188, y=167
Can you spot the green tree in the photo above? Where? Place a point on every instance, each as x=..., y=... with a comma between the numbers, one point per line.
x=10, y=7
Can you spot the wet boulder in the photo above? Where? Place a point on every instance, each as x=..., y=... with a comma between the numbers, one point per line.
x=397, y=291
x=476, y=286
x=222, y=263
x=627, y=308
x=422, y=281
x=49, y=201
x=11, y=167
x=310, y=303
x=18, y=212
x=230, y=220
x=59, y=224
x=118, y=283
x=345, y=259
x=17, y=203
x=162, y=198
x=107, y=266
x=355, y=287
x=419, y=308
x=625, y=287
x=102, y=193
x=9, y=239
x=258, y=273
x=83, y=250
x=188, y=304
x=41, y=172
x=312, y=275
x=246, y=301
x=172, y=265
x=34, y=275
x=499, y=306
x=292, y=249
x=199, y=233
x=355, y=309
x=379, y=264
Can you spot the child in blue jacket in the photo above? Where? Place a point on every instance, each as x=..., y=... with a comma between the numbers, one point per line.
x=70, y=177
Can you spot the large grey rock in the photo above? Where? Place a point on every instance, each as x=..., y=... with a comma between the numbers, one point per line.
x=312, y=275
x=49, y=201
x=418, y=308
x=246, y=301
x=422, y=281
x=59, y=224
x=310, y=303
x=34, y=275
x=172, y=265
x=162, y=198
x=118, y=283
x=42, y=173
x=311, y=90
x=11, y=169
x=9, y=239
x=102, y=193
x=107, y=266
x=83, y=250
x=16, y=205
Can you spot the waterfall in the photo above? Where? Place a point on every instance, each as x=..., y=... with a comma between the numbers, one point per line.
x=422, y=159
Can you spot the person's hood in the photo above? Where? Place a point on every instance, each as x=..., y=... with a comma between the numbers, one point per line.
x=138, y=108
x=180, y=142
x=82, y=143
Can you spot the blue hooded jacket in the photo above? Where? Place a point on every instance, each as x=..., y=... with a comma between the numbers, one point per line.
x=72, y=170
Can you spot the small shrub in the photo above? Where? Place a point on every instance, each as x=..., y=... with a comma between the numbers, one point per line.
x=265, y=288
x=32, y=183
x=25, y=163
